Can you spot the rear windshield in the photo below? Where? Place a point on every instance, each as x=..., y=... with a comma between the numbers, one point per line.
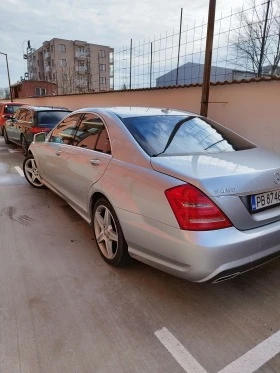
x=10, y=109
x=51, y=118
x=180, y=135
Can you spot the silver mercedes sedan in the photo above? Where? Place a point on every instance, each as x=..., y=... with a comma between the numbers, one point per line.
x=170, y=188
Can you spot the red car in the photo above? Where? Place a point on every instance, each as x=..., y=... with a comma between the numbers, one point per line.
x=7, y=110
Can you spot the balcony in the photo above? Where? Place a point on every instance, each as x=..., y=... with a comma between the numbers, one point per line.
x=47, y=69
x=82, y=70
x=82, y=55
x=47, y=55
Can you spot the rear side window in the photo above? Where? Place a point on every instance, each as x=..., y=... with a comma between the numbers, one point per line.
x=182, y=135
x=92, y=134
x=50, y=118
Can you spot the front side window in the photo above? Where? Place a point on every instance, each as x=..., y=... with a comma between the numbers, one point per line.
x=92, y=134
x=183, y=135
x=65, y=131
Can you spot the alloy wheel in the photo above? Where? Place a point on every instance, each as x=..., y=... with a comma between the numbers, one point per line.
x=106, y=233
x=32, y=173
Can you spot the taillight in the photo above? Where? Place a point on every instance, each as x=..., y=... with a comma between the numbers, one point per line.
x=194, y=211
x=39, y=129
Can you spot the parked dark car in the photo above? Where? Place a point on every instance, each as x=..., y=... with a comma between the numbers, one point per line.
x=7, y=110
x=28, y=120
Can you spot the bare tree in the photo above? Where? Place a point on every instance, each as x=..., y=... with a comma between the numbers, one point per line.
x=257, y=43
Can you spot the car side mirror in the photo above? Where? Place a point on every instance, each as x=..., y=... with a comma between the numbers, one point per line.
x=40, y=137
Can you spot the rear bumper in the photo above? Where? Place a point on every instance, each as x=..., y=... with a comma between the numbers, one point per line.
x=199, y=256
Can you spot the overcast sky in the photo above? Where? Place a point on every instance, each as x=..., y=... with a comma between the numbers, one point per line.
x=107, y=22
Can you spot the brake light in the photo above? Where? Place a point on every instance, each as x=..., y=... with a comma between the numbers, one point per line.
x=194, y=211
x=39, y=129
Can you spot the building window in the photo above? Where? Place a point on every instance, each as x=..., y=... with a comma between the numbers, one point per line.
x=52, y=63
x=102, y=80
x=62, y=48
x=46, y=77
x=38, y=62
x=102, y=67
x=52, y=48
x=63, y=62
x=53, y=77
x=40, y=91
x=102, y=54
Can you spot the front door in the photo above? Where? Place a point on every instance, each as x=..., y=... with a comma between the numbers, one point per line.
x=85, y=161
x=52, y=162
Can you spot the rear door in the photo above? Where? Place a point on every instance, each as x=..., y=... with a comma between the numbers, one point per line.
x=21, y=124
x=85, y=161
x=26, y=126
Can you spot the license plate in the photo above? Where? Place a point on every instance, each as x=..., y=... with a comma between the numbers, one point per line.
x=265, y=200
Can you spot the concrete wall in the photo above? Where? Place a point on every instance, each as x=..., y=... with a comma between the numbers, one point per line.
x=251, y=109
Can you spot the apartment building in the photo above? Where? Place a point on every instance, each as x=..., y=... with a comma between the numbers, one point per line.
x=75, y=66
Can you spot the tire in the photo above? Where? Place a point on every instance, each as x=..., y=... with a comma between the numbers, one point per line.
x=24, y=146
x=6, y=138
x=108, y=234
x=31, y=173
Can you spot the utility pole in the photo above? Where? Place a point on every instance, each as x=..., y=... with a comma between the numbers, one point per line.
x=179, y=46
x=130, y=68
x=8, y=72
x=263, y=40
x=208, y=58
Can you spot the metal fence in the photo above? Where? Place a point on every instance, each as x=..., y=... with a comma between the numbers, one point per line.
x=246, y=44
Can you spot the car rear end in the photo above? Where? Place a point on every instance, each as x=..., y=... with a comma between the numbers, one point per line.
x=226, y=199
x=45, y=120
x=7, y=111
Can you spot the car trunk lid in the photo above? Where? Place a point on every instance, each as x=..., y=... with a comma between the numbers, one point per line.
x=229, y=179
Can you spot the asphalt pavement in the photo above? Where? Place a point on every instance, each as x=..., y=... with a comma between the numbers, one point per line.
x=63, y=309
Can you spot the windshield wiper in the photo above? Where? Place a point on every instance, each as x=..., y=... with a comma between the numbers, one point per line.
x=173, y=133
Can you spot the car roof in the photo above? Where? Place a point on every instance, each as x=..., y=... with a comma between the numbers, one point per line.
x=136, y=111
x=46, y=108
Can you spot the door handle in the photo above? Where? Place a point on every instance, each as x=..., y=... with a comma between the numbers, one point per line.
x=58, y=152
x=95, y=162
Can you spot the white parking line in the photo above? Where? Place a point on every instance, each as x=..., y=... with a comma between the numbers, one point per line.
x=257, y=357
x=178, y=351
x=19, y=170
x=248, y=363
